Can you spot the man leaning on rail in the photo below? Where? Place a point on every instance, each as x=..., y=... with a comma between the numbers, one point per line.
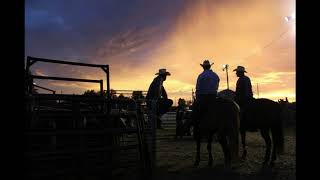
x=157, y=98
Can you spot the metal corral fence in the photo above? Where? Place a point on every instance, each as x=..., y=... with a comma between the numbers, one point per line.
x=85, y=137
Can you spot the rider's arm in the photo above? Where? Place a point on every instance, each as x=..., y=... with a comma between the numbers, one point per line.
x=198, y=87
x=217, y=86
x=164, y=93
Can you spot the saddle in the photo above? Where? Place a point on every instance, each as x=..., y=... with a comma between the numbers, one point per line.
x=208, y=118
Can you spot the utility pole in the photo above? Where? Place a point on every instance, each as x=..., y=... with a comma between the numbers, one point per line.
x=192, y=96
x=225, y=67
x=258, y=89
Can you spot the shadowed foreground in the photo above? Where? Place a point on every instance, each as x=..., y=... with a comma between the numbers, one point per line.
x=175, y=159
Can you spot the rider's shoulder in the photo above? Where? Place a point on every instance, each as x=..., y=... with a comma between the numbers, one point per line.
x=216, y=75
x=246, y=77
x=212, y=72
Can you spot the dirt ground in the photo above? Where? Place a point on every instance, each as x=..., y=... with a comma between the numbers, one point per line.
x=175, y=159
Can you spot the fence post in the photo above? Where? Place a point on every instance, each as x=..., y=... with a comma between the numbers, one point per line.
x=101, y=87
x=153, y=123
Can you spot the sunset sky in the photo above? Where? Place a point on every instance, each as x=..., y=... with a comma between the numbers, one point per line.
x=138, y=37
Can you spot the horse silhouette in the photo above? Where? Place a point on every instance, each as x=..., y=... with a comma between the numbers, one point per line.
x=220, y=118
x=265, y=115
x=289, y=112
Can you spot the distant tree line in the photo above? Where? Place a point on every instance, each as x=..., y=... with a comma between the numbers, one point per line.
x=136, y=95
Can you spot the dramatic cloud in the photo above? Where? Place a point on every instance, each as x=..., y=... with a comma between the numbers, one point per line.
x=138, y=37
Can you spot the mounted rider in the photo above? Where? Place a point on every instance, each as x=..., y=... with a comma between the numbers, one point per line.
x=244, y=94
x=206, y=89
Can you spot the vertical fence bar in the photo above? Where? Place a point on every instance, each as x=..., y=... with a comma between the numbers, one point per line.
x=108, y=82
x=140, y=141
x=101, y=87
x=29, y=85
x=153, y=122
x=108, y=90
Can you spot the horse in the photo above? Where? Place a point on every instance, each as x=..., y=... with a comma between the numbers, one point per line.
x=221, y=118
x=289, y=112
x=265, y=115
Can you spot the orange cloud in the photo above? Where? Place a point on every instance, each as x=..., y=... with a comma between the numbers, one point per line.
x=40, y=72
x=242, y=32
x=228, y=33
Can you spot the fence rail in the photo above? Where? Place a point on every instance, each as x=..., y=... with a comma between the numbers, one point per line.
x=79, y=132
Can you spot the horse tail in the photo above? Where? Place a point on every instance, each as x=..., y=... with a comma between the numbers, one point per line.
x=234, y=135
x=279, y=135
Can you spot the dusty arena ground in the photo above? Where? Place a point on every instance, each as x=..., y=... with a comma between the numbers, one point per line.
x=175, y=159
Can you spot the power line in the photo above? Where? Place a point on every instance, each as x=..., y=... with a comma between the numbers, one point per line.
x=282, y=34
x=269, y=44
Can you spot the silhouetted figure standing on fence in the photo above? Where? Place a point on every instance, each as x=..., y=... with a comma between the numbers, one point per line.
x=244, y=95
x=179, y=116
x=206, y=90
x=157, y=93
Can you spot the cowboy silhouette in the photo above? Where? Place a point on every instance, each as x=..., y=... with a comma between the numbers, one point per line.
x=206, y=89
x=244, y=95
x=243, y=89
x=158, y=94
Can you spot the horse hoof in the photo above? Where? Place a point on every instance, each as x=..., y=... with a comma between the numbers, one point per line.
x=265, y=166
x=196, y=164
x=227, y=169
x=271, y=165
x=244, y=154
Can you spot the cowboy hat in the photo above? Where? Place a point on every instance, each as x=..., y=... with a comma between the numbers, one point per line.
x=240, y=69
x=206, y=63
x=163, y=71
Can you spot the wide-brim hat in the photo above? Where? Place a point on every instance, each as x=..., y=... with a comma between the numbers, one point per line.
x=206, y=63
x=240, y=69
x=163, y=72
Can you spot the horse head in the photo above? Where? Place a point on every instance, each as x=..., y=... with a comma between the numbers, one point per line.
x=227, y=94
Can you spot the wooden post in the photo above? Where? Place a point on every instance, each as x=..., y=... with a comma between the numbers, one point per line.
x=153, y=123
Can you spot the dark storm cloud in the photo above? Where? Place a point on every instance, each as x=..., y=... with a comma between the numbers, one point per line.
x=95, y=31
x=74, y=27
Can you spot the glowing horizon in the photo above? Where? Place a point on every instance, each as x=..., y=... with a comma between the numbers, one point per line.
x=244, y=32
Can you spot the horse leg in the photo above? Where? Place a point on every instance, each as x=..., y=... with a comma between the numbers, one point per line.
x=243, y=142
x=226, y=150
x=198, y=139
x=267, y=139
x=274, y=149
x=210, y=134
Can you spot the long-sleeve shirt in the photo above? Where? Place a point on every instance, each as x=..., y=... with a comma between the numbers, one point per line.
x=207, y=83
x=156, y=89
x=244, y=89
